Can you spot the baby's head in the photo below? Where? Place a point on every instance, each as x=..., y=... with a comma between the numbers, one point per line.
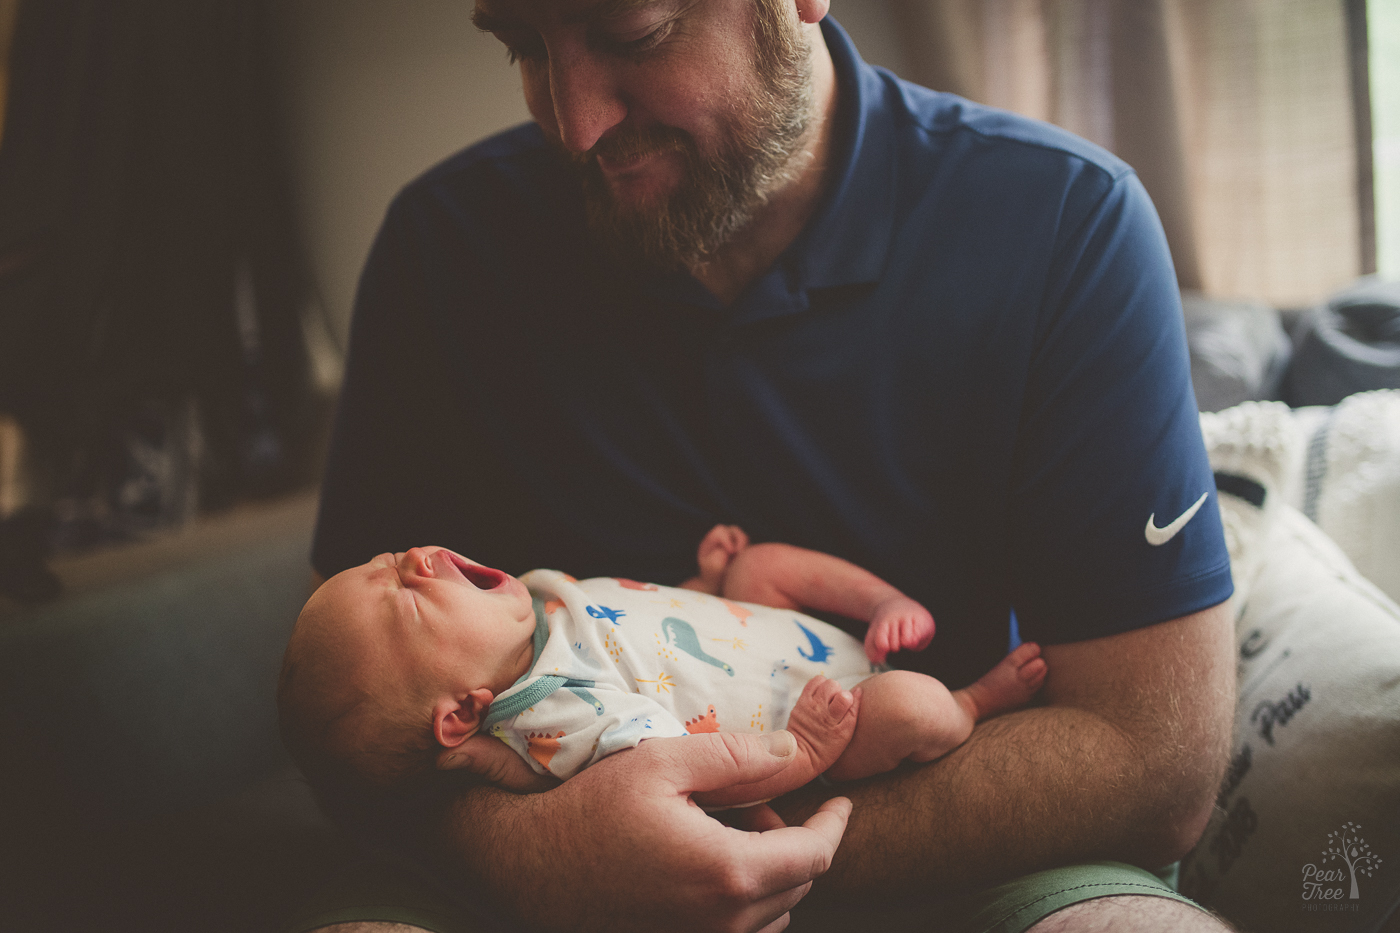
x=392, y=665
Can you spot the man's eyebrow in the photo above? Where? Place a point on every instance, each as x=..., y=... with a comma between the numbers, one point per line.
x=488, y=22
x=611, y=8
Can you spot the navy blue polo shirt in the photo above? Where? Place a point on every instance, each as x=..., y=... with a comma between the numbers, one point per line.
x=968, y=374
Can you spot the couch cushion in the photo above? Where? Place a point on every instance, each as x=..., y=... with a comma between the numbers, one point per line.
x=1344, y=474
x=1316, y=756
x=149, y=687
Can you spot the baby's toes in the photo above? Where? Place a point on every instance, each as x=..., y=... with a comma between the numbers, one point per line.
x=1024, y=653
x=1033, y=672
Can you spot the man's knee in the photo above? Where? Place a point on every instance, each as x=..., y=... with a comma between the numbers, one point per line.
x=1140, y=913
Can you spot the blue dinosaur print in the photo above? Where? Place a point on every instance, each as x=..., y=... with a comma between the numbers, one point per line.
x=582, y=653
x=681, y=634
x=603, y=612
x=820, y=650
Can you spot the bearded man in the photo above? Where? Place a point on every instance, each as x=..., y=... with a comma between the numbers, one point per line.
x=733, y=275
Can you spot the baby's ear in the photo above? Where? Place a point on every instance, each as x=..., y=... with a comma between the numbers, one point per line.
x=456, y=719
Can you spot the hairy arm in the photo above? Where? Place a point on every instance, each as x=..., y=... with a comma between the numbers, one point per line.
x=1122, y=763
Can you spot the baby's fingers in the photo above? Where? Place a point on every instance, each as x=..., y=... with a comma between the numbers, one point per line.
x=876, y=646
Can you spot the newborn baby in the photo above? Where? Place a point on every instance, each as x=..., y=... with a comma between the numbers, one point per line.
x=396, y=665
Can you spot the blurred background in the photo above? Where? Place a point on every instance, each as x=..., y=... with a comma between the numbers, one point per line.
x=188, y=189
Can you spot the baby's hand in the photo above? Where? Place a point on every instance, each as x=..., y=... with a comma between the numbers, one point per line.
x=899, y=624
x=717, y=550
x=823, y=720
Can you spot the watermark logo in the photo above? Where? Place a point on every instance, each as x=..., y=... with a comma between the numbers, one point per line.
x=1329, y=881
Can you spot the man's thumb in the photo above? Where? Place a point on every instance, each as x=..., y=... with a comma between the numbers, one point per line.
x=780, y=744
x=717, y=760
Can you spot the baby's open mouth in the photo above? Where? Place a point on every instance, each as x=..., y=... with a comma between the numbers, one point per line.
x=483, y=578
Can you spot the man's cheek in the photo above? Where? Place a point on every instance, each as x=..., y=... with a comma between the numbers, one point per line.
x=534, y=81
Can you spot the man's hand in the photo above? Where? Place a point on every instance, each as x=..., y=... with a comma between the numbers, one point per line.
x=622, y=847
x=897, y=624
x=496, y=762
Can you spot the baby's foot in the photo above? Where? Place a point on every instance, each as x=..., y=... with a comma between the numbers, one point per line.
x=823, y=720
x=899, y=624
x=1010, y=684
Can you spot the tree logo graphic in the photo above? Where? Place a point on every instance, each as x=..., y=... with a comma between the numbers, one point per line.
x=1344, y=845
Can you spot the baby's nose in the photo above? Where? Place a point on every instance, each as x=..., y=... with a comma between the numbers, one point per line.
x=415, y=561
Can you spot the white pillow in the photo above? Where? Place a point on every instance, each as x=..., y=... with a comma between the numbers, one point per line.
x=1252, y=443
x=1316, y=753
x=1344, y=473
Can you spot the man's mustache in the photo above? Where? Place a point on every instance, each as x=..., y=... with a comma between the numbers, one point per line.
x=624, y=145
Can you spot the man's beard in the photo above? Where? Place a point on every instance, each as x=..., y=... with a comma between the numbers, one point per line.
x=719, y=195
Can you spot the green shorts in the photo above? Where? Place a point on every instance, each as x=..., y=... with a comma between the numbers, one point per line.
x=380, y=893
x=1006, y=908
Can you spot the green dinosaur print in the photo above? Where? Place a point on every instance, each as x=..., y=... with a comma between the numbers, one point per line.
x=681, y=634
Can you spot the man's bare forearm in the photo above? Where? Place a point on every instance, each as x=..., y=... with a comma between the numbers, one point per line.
x=1012, y=799
x=1123, y=764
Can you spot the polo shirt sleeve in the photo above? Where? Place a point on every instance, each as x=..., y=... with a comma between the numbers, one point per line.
x=1112, y=515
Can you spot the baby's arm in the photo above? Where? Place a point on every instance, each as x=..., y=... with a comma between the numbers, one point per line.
x=822, y=722
x=791, y=577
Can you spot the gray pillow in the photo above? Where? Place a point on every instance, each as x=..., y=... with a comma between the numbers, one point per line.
x=1351, y=344
x=1239, y=351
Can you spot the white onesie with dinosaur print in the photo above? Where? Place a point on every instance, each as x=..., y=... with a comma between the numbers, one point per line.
x=618, y=661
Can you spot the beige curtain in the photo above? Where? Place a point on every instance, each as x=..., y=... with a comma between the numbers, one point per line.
x=9, y=14
x=1237, y=115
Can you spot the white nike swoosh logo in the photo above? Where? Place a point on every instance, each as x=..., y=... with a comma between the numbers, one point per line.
x=1160, y=536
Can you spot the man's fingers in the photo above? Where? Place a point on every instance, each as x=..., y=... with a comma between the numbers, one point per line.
x=829, y=821
x=771, y=914
x=759, y=819
x=775, y=910
x=797, y=855
x=778, y=925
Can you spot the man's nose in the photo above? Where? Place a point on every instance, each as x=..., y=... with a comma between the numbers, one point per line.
x=585, y=96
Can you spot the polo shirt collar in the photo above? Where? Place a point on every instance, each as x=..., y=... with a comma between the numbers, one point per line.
x=848, y=239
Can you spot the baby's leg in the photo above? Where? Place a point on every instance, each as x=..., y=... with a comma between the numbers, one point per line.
x=904, y=714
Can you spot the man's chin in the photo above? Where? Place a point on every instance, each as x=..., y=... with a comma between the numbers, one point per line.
x=640, y=194
x=632, y=207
